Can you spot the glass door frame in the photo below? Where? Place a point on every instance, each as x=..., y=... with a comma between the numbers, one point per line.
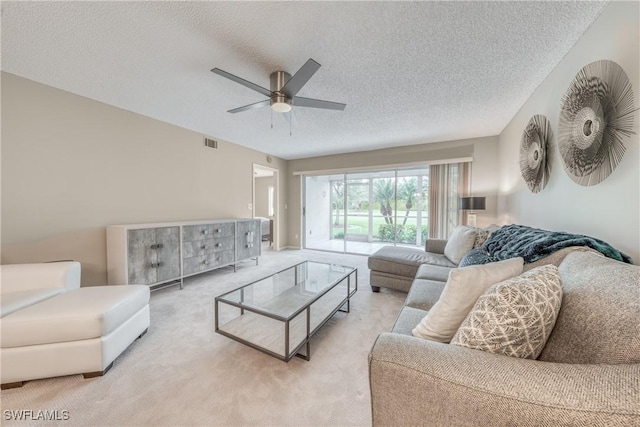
x=419, y=206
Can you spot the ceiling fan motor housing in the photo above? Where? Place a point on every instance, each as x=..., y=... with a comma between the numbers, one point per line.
x=278, y=80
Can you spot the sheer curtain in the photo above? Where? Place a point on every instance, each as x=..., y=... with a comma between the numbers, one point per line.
x=447, y=183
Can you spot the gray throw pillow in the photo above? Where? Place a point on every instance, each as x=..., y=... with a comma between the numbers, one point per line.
x=460, y=242
x=514, y=317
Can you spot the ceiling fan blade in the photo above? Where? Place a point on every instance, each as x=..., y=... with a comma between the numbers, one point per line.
x=300, y=78
x=260, y=104
x=243, y=82
x=317, y=103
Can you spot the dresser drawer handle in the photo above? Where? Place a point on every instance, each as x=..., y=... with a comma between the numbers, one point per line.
x=205, y=262
x=157, y=246
x=218, y=230
x=204, y=247
x=205, y=231
x=218, y=245
x=156, y=264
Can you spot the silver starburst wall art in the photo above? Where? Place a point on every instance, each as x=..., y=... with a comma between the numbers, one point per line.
x=535, y=147
x=596, y=117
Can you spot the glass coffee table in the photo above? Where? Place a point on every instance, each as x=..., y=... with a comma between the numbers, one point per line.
x=280, y=313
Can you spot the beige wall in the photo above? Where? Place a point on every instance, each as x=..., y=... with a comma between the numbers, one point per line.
x=484, y=173
x=609, y=210
x=71, y=166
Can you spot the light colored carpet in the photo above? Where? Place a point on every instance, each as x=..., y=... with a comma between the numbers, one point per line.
x=183, y=373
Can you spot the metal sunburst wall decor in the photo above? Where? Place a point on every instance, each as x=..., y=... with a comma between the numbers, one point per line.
x=596, y=116
x=535, y=164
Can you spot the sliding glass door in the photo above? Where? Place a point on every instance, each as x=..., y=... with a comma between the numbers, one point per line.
x=412, y=214
x=358, y=230
x=383, y=203
x=318, y=214
x=360, y=212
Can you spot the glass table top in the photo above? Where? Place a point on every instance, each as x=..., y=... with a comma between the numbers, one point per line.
x=287, y=292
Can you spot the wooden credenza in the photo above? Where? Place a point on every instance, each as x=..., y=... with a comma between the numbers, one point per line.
x=161, y=253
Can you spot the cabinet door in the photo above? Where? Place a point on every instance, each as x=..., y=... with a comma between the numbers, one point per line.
x=141, y=257
x=256, y=236
x=168, y=253
x=243, y=234
x=247, y=239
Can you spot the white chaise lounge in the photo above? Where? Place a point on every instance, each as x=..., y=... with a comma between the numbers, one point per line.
x=50, y=327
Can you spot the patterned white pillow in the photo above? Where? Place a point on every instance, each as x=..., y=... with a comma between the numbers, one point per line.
x=482, y=234
x=514, y=317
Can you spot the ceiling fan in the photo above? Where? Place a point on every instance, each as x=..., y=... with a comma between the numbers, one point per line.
x=284, y=87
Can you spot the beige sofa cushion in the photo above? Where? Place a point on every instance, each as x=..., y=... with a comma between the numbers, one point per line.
x=407, y=319
x=558, y=256
x=599, y=320
x=433, y=272
x=460, y=242
x=424, y=294
x=514, y=317
x=463, y=288
x=403, y=261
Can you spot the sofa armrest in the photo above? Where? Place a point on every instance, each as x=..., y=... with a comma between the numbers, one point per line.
x=419, y=382
x=435, y=246
x=23, y=277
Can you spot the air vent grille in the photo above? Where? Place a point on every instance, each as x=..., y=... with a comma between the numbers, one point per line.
x=211, y=143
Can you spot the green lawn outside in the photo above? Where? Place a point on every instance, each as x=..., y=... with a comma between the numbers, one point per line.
x=358, y=223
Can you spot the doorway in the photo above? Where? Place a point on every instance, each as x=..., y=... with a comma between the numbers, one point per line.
x=266, y=189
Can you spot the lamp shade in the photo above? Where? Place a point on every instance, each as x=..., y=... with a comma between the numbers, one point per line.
x=472, y=203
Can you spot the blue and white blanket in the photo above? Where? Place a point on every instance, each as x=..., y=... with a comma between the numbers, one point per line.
x=533, y=244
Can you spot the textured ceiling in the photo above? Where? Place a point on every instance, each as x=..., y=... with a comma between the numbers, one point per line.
x=409, y=72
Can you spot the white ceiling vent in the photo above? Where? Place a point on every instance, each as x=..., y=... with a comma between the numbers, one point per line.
x=211, y=143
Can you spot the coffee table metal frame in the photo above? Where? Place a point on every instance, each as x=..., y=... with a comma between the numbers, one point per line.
x=286, y=320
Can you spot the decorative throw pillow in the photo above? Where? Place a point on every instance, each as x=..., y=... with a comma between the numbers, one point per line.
x=475, y=256
x=482, y=234
x=463, y=288
x=514, y=317
x=460, y=242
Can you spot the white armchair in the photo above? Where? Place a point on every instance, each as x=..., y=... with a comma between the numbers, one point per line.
x=23, y=285
x=50, y=326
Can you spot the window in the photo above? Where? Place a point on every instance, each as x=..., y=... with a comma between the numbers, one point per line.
x=360, y=212
x=270, y=200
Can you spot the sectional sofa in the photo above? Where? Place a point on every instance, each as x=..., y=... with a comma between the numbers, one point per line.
x=586, y=374
x=397, y=267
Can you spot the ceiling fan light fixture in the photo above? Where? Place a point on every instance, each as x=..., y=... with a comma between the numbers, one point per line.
x=284, y=87
x=281, y=106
